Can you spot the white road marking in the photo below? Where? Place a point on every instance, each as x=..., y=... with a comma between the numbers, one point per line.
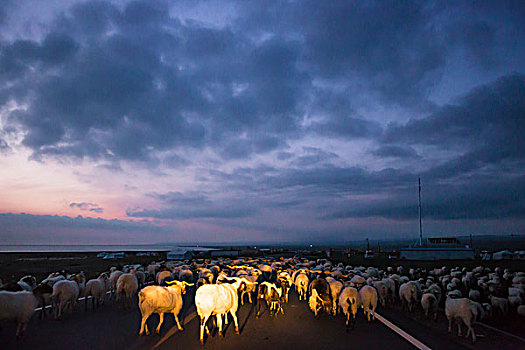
x=402, y=333
x=503, y=332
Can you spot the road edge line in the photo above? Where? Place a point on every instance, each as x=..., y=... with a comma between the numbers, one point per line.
x=402, y=333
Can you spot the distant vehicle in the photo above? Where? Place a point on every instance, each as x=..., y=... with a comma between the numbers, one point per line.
x=369, y=254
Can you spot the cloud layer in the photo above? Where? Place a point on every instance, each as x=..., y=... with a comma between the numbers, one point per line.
x=267, y=113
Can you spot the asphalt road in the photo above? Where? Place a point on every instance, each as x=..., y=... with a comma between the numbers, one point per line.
x=112, y=328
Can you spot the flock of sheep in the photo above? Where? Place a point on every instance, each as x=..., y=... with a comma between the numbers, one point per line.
x=466, y=295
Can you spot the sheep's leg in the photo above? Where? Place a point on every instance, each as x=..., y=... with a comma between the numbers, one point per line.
x=459, y=329
x=250, y=297
x=18, y=327
x=143, y=325
x=203, y=325
x=373, y=313
x=234, y=321
x=450, y=325
x=176, y=317
x=161, y=315
x=219, y=324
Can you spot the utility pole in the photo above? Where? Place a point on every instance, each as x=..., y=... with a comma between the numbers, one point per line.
x=420, y=226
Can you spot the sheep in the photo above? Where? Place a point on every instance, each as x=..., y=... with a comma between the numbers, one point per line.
x=113, y=278
x=18, y=307
x=349, y=301
x=335, y=290
x=464, y=310
x=521, y=310
x=301, y=283
x=368, y=296
x=408, y=295
x=43, y=293
x=322, y=296
x=127, y=285
x=499, y=305
x=65, y=294
x=474, y=295
x=273, y=294
x=160, y=300
x=218, y=299
x=429, y=303
x=96, y=289
x=162, y=275
x=382, y=291
x=249, y=288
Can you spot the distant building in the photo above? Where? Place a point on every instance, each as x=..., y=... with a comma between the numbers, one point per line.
x=438, y=248
x=180, y=254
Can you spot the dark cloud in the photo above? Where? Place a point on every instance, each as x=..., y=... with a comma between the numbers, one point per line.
x=177, y=205
x=87, y=207
x=10, y=220
x=485, y=126
x=484, y=199
x=395, y=151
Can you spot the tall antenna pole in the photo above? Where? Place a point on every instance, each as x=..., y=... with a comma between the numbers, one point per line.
x=420, y=227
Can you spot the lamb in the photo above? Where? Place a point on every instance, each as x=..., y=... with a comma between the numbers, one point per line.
x=96, y=289
x=301, y=283
x=127, y=286
x=335, y=290
x=160, y=300
x=408, y=295
x=429, y=303
x=218, y=299
x=461, y=310
x=65, y=294
x=18, y=307
x=368, y=296
x=349, y=301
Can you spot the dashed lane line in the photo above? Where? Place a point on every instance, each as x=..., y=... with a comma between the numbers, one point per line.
x=402, y=333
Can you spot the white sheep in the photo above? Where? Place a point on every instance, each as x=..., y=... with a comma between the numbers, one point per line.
x=349, y=301
x=382, y=291
x=429, y=303
x=250, y=288
x=408, y=295
x=462, y=310
x=113, y=278
x=368, y=296
x=301, y=283
x=18, y=307
x=160, y=300
x=96, y=289
x=218, y=299
x=127, y=286
x=65, y=294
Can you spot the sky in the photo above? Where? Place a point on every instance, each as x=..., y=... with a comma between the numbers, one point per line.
x=125, y=122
